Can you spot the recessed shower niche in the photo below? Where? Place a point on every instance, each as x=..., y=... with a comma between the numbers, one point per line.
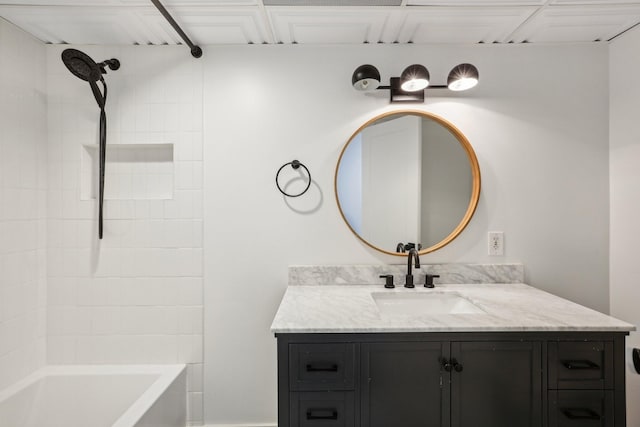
x=132, y=172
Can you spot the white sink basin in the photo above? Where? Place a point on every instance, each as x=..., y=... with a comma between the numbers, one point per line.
x=423, y=303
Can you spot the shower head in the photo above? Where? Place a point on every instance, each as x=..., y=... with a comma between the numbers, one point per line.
x=82, y=66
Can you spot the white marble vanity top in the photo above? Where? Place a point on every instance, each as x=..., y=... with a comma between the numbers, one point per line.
x=507, y=307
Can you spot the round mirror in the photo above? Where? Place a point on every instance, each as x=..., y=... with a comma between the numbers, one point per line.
x=407, y=179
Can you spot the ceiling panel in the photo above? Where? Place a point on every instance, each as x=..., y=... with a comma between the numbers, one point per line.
x=475, y=2
x=213, y=25
x=176, y=3
x=462, y=25
x=328, y=25
x=78, y=25
x=594, y=2
x=167, y=3
x=578, y=23
x=305, y=3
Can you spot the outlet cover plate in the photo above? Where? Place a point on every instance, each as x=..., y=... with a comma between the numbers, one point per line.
x=496, y=243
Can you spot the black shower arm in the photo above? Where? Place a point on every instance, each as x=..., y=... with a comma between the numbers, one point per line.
x=196, y=52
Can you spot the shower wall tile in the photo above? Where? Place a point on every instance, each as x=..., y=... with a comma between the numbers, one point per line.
x=136, y=295
x=23, y=193
x=195, y=377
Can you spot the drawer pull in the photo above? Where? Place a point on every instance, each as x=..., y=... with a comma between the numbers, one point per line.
x=580, y=414
x=322, y=414
x=322, y=367
x=580, y=365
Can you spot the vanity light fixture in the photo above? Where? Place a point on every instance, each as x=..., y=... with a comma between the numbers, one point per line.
x=413, y=81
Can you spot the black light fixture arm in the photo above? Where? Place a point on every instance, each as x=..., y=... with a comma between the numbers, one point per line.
x=196, y=51
x=387, y=87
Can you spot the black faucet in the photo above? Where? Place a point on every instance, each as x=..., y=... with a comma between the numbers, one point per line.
x=413, y=254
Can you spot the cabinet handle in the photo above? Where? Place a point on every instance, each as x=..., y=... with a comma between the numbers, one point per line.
x=322, y=367
x=580, y=365
x=581, y=414
x=322, y=414
x=456, y=365
x=448, y=365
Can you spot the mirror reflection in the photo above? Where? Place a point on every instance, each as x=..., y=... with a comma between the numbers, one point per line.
x=407, y=179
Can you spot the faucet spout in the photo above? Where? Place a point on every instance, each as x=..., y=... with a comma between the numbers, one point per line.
x=415, y=257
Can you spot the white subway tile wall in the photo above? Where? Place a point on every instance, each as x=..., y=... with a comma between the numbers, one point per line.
x=23, y=184
x=136, y=296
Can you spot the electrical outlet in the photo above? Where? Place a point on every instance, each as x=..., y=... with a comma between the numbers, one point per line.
x=496, y=243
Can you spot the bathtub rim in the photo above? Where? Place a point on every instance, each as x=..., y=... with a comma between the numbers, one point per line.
x=167, y=375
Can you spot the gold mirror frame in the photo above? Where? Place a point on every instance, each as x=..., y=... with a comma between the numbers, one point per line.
x=475, y=173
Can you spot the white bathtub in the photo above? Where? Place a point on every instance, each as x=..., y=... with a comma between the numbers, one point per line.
x=97, y=396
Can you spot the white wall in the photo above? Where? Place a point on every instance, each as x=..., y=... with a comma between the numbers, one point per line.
x=538, y=122
x=23, y=121
x=625, y=202
x=135, y=297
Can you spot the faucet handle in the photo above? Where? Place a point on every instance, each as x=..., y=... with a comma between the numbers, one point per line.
x=428, y=280
x=409, y=281
x=388, y=281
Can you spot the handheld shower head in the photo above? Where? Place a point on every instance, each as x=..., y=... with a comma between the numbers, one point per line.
x=82, y=66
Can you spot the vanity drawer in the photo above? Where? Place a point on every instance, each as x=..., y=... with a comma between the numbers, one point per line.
x=580, y=365
x=581, y=408
x=322, y=409
x=322, y=366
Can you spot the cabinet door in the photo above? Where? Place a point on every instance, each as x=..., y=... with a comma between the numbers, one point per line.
x=496, y=384
x=404, y=385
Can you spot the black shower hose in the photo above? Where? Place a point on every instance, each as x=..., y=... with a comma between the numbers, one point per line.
x=101, y=99
x=103, y=152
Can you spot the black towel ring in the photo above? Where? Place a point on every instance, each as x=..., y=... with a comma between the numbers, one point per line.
x=295, y=164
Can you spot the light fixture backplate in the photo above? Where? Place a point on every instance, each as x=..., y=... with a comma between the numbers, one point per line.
x=399, y=95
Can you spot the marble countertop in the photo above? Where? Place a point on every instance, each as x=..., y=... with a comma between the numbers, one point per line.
x=507, y=307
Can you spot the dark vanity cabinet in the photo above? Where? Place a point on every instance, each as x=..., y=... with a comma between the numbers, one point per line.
x=451, y=379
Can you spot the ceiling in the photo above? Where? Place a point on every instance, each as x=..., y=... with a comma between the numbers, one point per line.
x=324, y=21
